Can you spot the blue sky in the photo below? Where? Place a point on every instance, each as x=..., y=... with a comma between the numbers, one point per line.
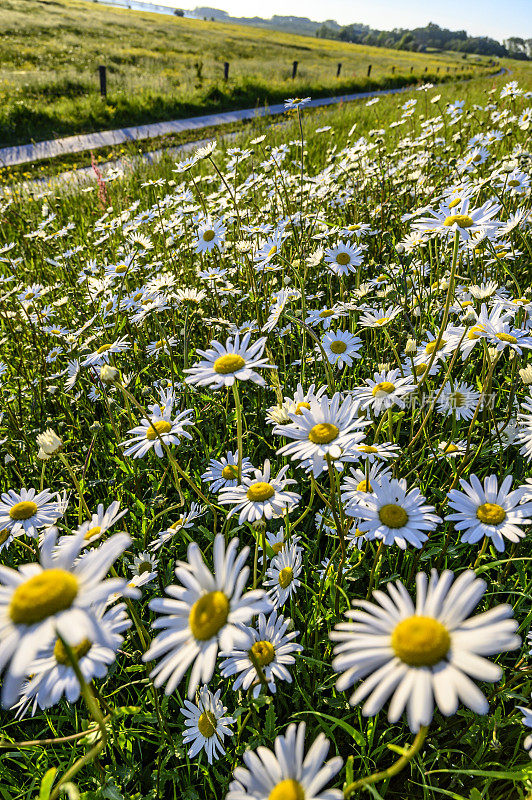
x=478, y=17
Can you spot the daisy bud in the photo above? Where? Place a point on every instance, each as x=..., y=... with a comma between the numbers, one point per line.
x=526, y=375
x=469, y=318
x=400, y=248
x=49, y=443
x=411, y=347
x=109, y=374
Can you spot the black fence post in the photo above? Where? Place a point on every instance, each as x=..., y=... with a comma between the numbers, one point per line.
x=103, y=80
x=369, y=70
x=294, y=69
x=226, y=70
x=393, y=70
x=338, y=69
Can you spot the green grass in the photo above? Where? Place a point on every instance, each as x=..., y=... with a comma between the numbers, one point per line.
x=466, y=756
x=161, y=67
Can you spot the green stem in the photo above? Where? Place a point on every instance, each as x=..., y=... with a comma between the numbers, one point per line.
x=395, y=769
x=240, y=445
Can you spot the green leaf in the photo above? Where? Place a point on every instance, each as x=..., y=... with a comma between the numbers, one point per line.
x=46, y=783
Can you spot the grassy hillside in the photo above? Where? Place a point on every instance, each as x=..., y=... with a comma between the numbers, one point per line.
x=160, y=67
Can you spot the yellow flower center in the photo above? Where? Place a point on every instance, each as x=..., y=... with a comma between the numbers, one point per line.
x=230, y=472
x=92, y=532
x=420, y=369
x=382, y=320
x=451, y=448
x=458, y=399
x=338, y=347
x=208, y=236
x=23, y=510
x=121, y=269
x=393, y=516
x=343, y=259
x=260, y=491
x=103, y=349
x=513, y=182
x=207, y=724
x=231, y=362
x=177, y=524
x=159, y=427
x=277, y=547
x=383, y=388
x=208, y=615
x=368, y=448
x=420, y=641
x=43, y=595
x=462, y=220
x=4, y=536
x=454, y=202
x=264, y=653
x=506, y=337
x=272, y=251
x=287, y=790
x=79, y=651
x=431, y=347
x=301, y=405
x=323, y=433
x=326, y=313
x=364, y=486
x=286, y=576
x=475, y=332
x=491, y=513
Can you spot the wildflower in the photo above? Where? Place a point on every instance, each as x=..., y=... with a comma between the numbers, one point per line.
x=206, y=725
x=424, y=653
x=222, y=366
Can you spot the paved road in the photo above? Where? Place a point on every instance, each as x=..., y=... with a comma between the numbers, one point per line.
x=26, y=153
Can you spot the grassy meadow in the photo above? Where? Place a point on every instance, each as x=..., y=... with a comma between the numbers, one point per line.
x=378, y=255
x=162, y=67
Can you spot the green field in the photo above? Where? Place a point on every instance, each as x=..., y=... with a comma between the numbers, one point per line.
x=161, y=67
x=81, y=271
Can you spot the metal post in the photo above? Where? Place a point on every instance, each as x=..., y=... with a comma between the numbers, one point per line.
x=369, y=70
x=226, y=70
x=294, y=69
x=338, y=69
x=103, y=80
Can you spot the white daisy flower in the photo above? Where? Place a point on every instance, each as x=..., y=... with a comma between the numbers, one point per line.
x=387, y=389
x=206, y=725
x=380, y=317
x=210, y=236
x=489, y=511
x=361, y=482
x=160, y=425
x=527, y=722
x=286, y=774
x=57, y=595
x=52, y=675
x=200, y=615
x=221, y=366
x=223, y=472
x=395, y=515
x=374, y=452
x=101, y=355
x=343, y=258
x=272, y=648
x=326, y=428
x=422, y=653
x=26, y=511
x=458, y=401
x=341, y=347
x=477, y=223
x=100, y=522
x=261, y=496
x=282, y=574
x=184, y=522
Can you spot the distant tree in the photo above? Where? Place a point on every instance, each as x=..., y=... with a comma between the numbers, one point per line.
x=179, y=12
